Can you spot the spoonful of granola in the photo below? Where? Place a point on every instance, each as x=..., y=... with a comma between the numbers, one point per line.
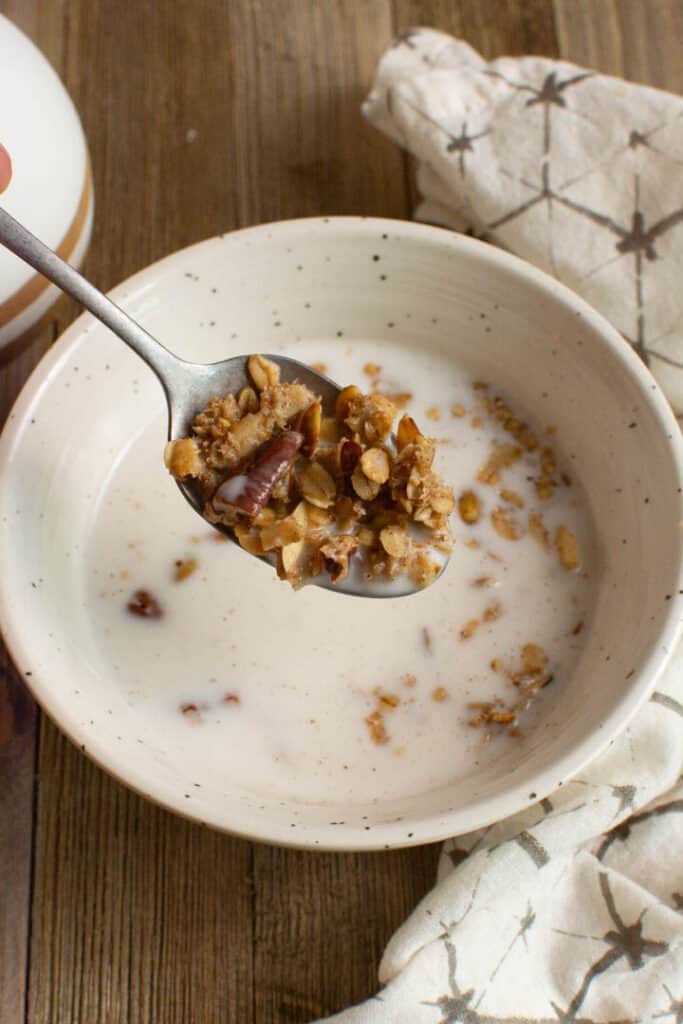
x=305, y=475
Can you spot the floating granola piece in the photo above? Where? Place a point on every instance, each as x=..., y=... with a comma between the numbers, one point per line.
x=504, y=524
x=502, y=456
x=458, y=410
x=512, y=497
x=567, y=548
x=538, y=531
x=439, y=694
x=469, y=629
x=376, y=727
x=183, y=568
x=492, y=613
x=433, y=413
x=469, y=507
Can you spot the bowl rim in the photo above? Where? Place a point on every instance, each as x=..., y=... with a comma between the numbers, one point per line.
x=389, y=835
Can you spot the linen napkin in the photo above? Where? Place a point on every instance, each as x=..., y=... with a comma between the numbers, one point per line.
x=570, y=912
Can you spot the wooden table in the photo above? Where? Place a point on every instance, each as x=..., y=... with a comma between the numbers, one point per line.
x=202, y=116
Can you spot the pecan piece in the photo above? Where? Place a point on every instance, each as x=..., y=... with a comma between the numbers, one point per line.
x=249, y=492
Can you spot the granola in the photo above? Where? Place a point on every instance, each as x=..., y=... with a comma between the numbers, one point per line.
x=319, y=492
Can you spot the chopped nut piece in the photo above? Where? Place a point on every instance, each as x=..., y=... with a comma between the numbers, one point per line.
x=469, y=629
x=512, y=497
x=469, y=507
x=310, y=428
x=538, y=531
x=458, y=410
x=504, y=525
x=433, y=413
x=329, y=430
x=290, y=559
x=248, y=540
x=376, y=727
x=407, y=432
x=366, y=489
x=395, y=541
x=375, y=465
x=247, y=401
x=439, y=694
x=263, y=372
x=317, y=486
x=344, y=399
x=183, y=568
x=567, y=548
x=247, y=493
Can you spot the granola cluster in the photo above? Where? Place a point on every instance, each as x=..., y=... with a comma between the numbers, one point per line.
x=318, y=491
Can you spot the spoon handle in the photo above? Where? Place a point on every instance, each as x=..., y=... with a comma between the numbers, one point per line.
x=15, y=237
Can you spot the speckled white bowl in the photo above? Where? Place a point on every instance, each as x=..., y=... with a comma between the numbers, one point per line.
x=377, y=279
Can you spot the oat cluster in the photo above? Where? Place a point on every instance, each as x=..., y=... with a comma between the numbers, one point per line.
x=315, y=490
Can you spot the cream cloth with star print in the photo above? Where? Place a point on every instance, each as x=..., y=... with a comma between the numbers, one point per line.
x=570, y=912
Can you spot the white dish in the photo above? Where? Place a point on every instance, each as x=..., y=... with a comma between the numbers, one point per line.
x=51, y=188
x=92, y=412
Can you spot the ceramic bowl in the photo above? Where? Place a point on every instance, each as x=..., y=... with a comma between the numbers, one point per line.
x=397, y=283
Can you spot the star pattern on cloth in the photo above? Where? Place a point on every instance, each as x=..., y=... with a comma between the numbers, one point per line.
x=674, y=1009
x=566, y=167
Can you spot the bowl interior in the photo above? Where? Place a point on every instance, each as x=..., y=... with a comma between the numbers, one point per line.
x=307, y=282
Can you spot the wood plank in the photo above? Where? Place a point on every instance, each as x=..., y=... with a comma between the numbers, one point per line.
x=640, y=41
x=495, y=28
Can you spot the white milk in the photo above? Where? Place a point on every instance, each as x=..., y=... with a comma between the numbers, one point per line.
x=304, y=664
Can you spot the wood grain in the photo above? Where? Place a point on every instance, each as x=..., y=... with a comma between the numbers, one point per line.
x=635, y=39
x=201, y=118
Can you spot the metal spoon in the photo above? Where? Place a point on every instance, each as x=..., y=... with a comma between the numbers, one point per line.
x=187, y=386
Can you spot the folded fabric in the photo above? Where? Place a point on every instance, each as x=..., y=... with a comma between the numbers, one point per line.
x=577, y=172
x=570, y=912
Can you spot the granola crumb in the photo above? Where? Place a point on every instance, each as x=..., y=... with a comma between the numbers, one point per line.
x=469, y=507
x=372, y=369
x=433, y=413
x=386, y=700
x=567, y=548
x=577, y=628
x=426, y=639
x=458, y=410
x=440, y=694
x=183, y=568
x=409, y=679
x=493, y=612
x=484, y=581
x=319, y=367
x=376, y=727
x=469, y=629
